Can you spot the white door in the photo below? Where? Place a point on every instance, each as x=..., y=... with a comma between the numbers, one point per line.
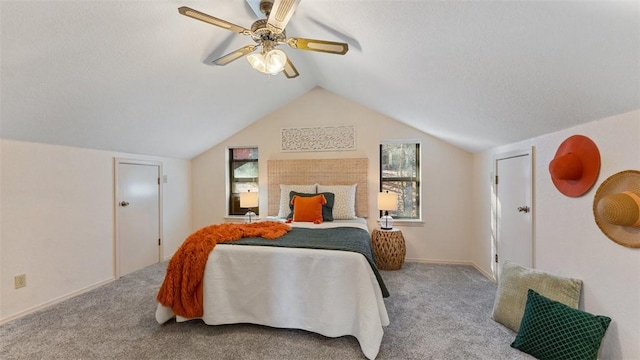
x=138, y=216
x=514, y=233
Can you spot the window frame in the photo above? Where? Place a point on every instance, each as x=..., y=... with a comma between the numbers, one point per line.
x=417, y=179
x=233, y=198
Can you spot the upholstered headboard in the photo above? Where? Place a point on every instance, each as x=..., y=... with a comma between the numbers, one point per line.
x=322, y=171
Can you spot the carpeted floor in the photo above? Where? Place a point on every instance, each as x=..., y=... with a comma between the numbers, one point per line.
x=436, y=312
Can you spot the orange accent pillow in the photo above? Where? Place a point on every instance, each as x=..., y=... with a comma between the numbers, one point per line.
x=308, y=209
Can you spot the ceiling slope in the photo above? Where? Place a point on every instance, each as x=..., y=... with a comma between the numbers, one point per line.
x=130, y=76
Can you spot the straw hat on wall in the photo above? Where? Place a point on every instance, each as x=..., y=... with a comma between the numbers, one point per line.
x=616, y=208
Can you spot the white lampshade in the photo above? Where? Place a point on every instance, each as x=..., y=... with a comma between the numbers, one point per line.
x=248, y=199
x=387, y=201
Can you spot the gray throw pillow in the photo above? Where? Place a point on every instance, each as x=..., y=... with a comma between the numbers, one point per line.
x=516, y=280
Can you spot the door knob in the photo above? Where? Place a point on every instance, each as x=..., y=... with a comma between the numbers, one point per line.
x=124, y=203
x=525, y=209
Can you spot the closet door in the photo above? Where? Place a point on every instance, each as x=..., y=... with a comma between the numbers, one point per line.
x=137, y=216
x=514, y=215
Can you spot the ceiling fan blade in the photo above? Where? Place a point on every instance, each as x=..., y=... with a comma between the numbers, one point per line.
x=289, y=70
x=330, y=47
x=353, y=43
x=281, y=12
x=224, y=60
x=187, y=11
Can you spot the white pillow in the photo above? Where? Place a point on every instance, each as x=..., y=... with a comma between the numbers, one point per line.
x=344, y=207
x=284, y=209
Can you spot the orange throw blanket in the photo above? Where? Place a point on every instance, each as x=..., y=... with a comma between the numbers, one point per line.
x=182, y=286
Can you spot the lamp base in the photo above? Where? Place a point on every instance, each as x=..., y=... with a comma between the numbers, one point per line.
x=386, y=222
x=248, y=216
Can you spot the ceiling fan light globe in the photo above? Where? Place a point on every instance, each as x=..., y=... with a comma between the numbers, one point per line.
x=257, y=62
x=275, y=61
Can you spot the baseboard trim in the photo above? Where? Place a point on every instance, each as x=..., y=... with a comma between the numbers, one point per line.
x=486, y=274
x=434, y=261
x=54, y=301
x=453, y=262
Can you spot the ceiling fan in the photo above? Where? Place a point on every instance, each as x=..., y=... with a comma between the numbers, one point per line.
x=268, y=33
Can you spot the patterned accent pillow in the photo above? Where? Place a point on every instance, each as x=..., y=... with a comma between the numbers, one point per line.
x=514, y=282
x=552, y=330
x=344, y=206
x=283, y=210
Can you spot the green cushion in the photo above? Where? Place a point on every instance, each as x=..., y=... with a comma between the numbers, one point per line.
x=552, y=330
x=327, y=209
x=515, y=280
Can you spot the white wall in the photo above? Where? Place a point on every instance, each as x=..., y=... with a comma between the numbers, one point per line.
x=446, y=171
x=57, y=208
x=567, y=240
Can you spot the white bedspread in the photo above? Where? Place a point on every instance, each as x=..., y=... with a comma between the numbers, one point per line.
x=333, y=293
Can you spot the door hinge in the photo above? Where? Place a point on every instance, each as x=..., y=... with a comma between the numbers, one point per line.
x=159, y=243
x=496, y=179
x=496, y=257
x=158, y=181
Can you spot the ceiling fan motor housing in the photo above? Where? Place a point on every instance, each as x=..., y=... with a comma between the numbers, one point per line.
x=260, y=32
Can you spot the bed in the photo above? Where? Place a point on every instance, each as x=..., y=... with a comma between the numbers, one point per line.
x=329, y=292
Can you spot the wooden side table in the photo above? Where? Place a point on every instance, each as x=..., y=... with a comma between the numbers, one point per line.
x=389, y=248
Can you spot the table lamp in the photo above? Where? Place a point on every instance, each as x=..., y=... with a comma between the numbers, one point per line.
x=387, y=201
x=249, y=200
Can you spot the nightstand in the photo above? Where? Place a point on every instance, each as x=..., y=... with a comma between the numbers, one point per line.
x=389, y=248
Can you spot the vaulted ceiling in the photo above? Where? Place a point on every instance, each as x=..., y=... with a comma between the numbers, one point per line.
x=132, y=76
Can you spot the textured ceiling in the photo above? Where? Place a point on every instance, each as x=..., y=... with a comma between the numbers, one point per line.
x=129, y=75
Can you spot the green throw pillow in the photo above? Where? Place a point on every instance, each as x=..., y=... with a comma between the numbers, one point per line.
x=552, y=330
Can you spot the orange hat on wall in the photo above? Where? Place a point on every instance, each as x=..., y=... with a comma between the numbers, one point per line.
x=576, y=166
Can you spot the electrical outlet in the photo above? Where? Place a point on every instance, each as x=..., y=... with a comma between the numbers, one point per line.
x=20, y=281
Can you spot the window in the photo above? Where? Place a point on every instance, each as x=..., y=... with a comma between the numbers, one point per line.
x=243, y=176
x=400, y=173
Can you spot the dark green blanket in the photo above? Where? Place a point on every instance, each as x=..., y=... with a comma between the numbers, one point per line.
x=342, y=238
